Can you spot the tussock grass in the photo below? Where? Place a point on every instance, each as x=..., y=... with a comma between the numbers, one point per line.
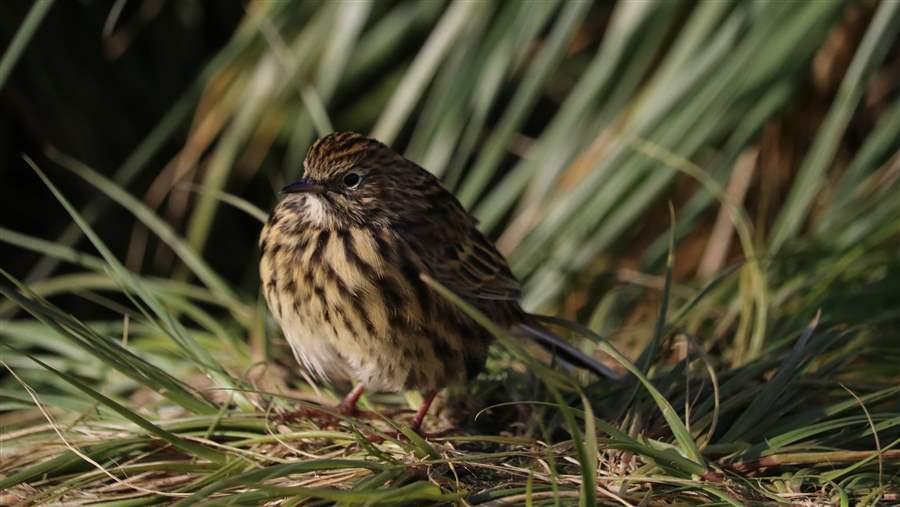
x=598, y=144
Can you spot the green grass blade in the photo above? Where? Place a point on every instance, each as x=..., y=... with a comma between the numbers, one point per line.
x=872, y=51
x=187, y=446
x=164, y=231
x=526, y=95
x=589, y=465
x=350, y=18
x=235, y=201
x=259, y=476
x=68, y=460
x=112, y=353
x=124, y=174
x=764, y=402
x=690, y=463
x=397, y=111
x=168, y=322
x=22, y=37
x=55, y=250
x=686, y=443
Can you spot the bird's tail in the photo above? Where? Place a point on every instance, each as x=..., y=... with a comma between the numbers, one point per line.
x=562, y=349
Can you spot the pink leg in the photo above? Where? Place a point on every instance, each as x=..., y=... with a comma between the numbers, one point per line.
x=348, y=404
x=420, y=414
x=346, y=407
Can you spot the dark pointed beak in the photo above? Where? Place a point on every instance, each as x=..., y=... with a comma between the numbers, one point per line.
x=303, y=186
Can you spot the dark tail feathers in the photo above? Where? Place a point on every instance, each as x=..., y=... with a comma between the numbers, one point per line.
x=565, y=351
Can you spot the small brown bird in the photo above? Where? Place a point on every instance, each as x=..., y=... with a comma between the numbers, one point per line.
x=341, y=258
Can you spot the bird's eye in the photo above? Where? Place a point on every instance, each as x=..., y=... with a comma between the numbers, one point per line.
x=352, y=180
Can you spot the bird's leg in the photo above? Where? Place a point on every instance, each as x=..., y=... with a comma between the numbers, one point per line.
x=347, y=407
x=423, y=409
x=348, y=404
x=416, y=424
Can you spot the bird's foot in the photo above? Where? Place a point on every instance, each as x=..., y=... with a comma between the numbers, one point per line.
x=348, y=409
x=324, y=414
x=305, y=413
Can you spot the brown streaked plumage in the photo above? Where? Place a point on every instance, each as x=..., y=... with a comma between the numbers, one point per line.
x=341, y=258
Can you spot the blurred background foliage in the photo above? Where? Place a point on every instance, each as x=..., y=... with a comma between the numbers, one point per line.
x=566, y=127
x=569, y=128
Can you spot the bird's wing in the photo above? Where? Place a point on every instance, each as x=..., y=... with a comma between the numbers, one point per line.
x=459, y=257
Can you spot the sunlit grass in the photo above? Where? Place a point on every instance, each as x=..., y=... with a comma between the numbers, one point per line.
x=775, y=380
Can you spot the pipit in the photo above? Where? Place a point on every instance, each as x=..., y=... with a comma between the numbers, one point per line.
x=342, y=256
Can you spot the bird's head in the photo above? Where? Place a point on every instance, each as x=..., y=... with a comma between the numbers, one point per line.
x=351, y=179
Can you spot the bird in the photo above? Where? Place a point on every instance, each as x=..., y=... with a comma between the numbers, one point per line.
x=343, y=255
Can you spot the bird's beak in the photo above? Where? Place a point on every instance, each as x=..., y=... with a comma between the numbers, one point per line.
x=303, y=186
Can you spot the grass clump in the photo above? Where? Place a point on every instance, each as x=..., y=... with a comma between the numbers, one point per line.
x=632, y=161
